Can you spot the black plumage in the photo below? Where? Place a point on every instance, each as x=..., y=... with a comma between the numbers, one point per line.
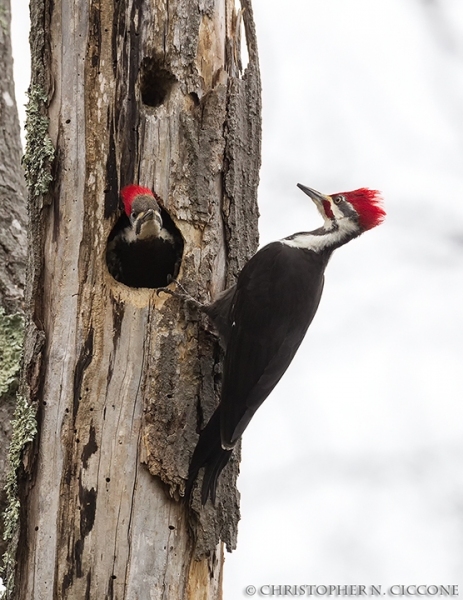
x=269, y=313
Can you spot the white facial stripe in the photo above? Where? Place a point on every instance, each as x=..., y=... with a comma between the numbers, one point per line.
x=338, y=214
x=317, y=243
x=148, y=229
x=147, y=232
x=321, y=210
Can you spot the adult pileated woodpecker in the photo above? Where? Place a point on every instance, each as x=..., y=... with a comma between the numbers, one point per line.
x=142, y=252
x=264, y=318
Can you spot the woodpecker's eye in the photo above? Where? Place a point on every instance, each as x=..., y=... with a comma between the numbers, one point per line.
x=134, y=215
x=338, y=199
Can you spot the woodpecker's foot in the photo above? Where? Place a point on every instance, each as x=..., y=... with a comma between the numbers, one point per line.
x=165, y=290
x=183, y=295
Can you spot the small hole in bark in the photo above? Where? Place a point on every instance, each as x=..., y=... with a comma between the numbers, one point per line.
x=108, y=479
x=36, y=528
x=155, y=82
x=144, y=261
x=194, y=96
x=171, y=527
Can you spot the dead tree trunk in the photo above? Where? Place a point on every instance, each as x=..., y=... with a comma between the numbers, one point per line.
x=13, y=248
x=123, y=379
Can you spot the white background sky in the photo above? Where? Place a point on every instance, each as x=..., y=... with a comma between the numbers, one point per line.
x=352, y=469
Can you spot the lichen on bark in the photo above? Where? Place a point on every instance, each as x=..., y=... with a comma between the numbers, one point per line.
x=24, y=428
x=40, y=152
x=11, y=338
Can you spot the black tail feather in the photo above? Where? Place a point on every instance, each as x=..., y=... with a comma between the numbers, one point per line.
x=209, y=454
x=211, y=475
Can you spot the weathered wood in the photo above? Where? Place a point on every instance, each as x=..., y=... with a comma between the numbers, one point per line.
x=151, y=93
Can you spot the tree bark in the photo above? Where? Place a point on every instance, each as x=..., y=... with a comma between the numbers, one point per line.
x=12, y=248
x=122, y=378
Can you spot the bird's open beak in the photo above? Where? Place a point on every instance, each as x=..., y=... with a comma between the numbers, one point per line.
x=148, y=215
x=318, y=198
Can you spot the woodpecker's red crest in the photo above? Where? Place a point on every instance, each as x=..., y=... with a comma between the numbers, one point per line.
x=367, y=204
x=130, y=192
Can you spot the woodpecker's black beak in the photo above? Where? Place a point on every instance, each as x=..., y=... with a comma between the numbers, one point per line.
x=144, y=217
x=317, y=197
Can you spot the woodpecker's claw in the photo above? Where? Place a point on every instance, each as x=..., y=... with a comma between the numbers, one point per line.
x=184, y=290
x=164, y=290
x=183, y=295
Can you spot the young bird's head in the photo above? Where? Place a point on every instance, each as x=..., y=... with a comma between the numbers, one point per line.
x=362, y=207
x=143, y=211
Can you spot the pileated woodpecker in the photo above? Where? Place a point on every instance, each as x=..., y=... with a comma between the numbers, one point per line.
x=263, y=319
x=141, y=251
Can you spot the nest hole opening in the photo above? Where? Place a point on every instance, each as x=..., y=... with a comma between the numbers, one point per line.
x=144, y=263
x=156, y=82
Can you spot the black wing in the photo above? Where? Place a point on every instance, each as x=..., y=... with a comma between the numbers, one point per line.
x=270, y=309
x=219, y=313
x=277, y=296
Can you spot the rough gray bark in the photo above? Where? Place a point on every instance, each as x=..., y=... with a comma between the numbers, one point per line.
x=12, y=187
x=123, y=379
x=12, y=240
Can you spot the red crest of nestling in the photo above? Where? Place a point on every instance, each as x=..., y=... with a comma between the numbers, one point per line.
x=368, y=204
x=130, y=192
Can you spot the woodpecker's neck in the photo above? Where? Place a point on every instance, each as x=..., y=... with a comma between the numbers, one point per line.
x=329, y=237
x=149, y=230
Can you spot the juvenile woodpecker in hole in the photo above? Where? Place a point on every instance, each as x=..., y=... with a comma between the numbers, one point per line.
x=141, y=251
x=264, y=317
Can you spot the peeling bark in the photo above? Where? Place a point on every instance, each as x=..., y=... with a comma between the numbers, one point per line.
x=124, y=379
